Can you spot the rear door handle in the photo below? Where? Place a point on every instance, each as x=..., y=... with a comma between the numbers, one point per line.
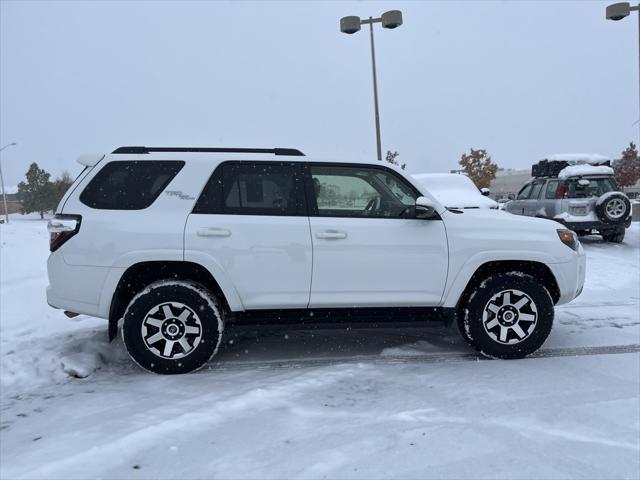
x=331, y=235
x=213, y=232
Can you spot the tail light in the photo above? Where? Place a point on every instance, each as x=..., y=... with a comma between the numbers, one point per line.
x=62, y=228
x=561, y=190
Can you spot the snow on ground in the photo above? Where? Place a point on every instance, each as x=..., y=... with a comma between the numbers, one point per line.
x=379, y=403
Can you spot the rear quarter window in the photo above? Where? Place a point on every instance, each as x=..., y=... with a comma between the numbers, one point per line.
x=129, y=185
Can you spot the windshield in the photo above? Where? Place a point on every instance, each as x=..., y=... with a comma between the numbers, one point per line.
x=590, y=187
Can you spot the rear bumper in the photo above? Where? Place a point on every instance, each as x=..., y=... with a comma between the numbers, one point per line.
x=575, y=226
x=73, y=287
x=55, y=301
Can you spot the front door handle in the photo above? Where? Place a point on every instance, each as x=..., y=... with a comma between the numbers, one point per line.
x=213, y=232
x=331, y=235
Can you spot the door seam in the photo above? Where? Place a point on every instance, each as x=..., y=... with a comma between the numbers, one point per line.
x=313, y=259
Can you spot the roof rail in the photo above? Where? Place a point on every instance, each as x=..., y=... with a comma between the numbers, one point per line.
x=276, y=151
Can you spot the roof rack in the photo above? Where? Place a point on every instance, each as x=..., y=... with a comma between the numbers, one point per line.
x=552, y=168
x=276, y=151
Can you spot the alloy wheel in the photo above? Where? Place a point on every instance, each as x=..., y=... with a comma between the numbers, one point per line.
x=510, y=317
x=615, y=208
x=171, y=330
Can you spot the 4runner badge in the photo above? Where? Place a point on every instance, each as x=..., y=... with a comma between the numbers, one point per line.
x=179, y=194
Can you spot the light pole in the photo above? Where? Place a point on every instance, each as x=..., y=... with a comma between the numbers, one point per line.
x=618, y=11
x=4, y=196
x=350, y=25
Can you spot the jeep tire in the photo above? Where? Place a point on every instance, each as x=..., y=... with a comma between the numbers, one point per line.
x=613, y=209
x=614, y=236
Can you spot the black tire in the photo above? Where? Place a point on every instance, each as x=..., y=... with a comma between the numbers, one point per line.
x=614, y=236
x=582, y=233
x=172, y=327
x=614, y=209
x=525, y=314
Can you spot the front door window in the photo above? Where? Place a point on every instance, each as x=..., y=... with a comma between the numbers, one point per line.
x=346, y=191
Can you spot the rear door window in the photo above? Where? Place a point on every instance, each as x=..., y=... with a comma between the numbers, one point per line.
x=129, y=185
x=243, y=188
x=535, y=191
x=552, y=187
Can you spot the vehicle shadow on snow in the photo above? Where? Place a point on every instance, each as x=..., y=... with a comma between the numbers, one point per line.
x=246, y=346
x=277, y=344
x=597, y=241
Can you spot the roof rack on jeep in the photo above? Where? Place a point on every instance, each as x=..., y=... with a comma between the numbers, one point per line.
x=276, y=151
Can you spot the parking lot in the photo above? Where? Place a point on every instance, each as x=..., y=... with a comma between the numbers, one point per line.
x=348, y=404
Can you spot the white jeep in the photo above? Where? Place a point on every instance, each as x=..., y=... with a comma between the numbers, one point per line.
x=171, y=244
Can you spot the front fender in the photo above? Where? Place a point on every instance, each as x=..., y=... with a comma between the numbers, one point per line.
x=456, y=286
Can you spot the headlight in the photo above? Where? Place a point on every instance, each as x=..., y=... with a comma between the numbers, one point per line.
x=569, y=238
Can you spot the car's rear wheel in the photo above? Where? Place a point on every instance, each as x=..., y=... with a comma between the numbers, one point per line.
x=508, y=316
x=172, y=327
x=614, y=236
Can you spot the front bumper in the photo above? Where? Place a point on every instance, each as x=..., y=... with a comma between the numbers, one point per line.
x=570, y=276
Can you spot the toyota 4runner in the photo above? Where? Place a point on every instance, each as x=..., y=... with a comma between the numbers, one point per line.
x=171, y=244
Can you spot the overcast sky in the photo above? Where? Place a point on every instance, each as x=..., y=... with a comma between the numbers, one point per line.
x=521, y=79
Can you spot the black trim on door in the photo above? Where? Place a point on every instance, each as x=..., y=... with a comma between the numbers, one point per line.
x=346, y=317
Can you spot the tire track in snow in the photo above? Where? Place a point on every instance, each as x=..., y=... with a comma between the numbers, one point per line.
x=122, y=447
x=409, y=359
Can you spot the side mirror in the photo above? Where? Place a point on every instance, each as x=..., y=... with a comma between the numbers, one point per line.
x=425, y=209
x=485, y=191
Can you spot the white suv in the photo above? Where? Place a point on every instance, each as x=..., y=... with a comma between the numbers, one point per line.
x=171, y=244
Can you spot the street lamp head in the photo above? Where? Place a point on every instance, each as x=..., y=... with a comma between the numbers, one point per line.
x=392, y=19
x=350, y=24
x=617, y=11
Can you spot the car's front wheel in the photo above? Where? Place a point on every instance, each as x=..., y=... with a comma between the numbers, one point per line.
x=172, y=327
x=509, y=315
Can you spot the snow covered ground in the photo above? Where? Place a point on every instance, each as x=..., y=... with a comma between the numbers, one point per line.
x=362, y=404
